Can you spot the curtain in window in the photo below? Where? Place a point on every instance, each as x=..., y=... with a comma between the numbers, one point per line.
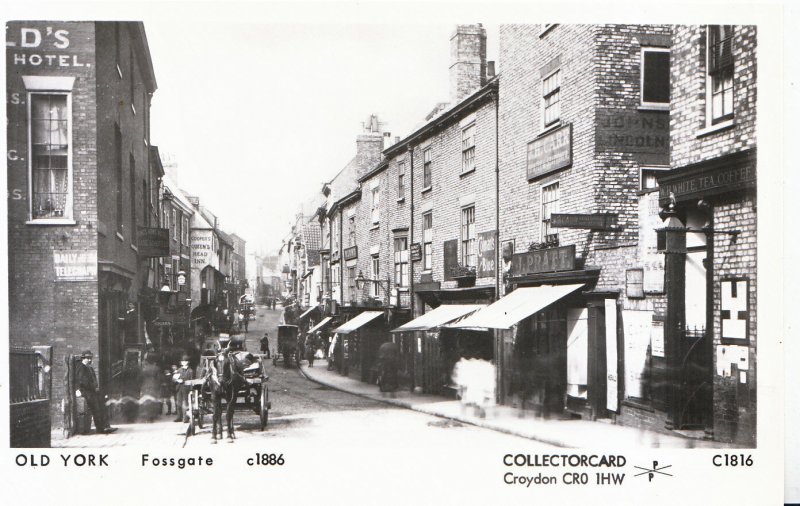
x=49, y=130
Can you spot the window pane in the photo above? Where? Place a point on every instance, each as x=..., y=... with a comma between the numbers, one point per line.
x=656, y=77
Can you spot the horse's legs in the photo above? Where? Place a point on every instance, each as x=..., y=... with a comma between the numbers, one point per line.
x=229, y=414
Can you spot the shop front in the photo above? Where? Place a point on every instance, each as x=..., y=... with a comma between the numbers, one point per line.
x=440, y=348
x=358, y=341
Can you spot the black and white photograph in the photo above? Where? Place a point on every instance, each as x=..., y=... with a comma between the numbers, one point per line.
x=239, y=236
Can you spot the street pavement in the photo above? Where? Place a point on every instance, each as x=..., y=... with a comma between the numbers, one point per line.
x=304, y=410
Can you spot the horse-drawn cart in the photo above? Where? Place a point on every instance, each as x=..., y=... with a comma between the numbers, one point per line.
x=288, y=348
x=235, y=378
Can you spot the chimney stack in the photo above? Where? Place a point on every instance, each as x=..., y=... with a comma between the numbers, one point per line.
x=369, y=145
x=467, y=61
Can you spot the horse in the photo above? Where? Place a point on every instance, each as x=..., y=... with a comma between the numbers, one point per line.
x=224, y=386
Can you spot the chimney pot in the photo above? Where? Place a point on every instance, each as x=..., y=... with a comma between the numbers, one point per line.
x=467, y=61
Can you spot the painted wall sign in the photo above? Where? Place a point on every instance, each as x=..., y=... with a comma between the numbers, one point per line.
x=153, y=242
x=550, y=152
x=416, y=252
x=450, y=258
x=706, y=183
x=45, y=45
x=643, y=133
x=487, y=248
x=734, y=311
x=350, y=253
x=203, y=252
x=600, y=221
x=544, y=260
x=75, y=265
x=634, y=283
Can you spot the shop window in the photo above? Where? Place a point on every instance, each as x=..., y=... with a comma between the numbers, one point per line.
x=719, y=80
x=468, y=149
x=427, y=168
x=427, y=241
x=550, y=205
x=401, y=261
x=401, y=181
x=376, y=202
x=551, y=98
x=655, y=81
x=51, y=160
x=469, y=258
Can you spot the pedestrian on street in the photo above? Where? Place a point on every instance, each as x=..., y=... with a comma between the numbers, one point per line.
x=182, y=389
x=388, y=361
x=168, y=389
x=265, y=345
x=86, y=382
x=150, y=400
x=311, y=349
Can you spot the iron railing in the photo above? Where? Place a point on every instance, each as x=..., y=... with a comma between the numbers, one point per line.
x=28, y=375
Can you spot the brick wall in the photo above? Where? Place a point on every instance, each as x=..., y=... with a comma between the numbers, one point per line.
x=41, y=311
x=30, y=424
x=370, y=235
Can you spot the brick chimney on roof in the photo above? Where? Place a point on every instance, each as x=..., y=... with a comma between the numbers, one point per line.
x=467, y=61
x=369, y=145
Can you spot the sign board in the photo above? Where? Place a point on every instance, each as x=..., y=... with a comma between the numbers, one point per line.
x=416, y=252
x=203, y=253
x=181, y=279
x=735, y=311
x=75, y=265
x=544, y=260
x=606, y=221
x=652, y=260
x=450, y=258
x=350, y=253
x=153, y=242
x=645, y=134
x=657, y=339
x=705, y=183
x=634, y=283
x=550, y=152
x=487, y=248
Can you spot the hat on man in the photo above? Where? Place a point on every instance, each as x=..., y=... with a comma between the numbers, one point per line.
x=87, y=354
x=185, y=357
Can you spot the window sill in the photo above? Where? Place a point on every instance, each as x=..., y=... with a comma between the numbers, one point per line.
x=376, y=226
x=719, y=127
x=549, y=128
x=547, y=30
x=426, y=189
x=401, y=200
x=134, y=248
x=52, y=221
x=120, y=236
x=654, y=107
x=470, y=171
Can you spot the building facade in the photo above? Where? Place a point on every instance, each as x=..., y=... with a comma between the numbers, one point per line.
x=80, y=185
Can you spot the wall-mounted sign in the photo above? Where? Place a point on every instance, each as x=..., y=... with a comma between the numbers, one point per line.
x=153, y=242
x=735, y=311
x=487, y=248
x=181, y=279
x=350, y=253
x=544, y=260
x=600, y=221
x=645, y=134
x=416, y=252
x=634, y=283
x=735, y=172
x=652, y=260
x=550, y=152
x=75, y=265
x=203, y=253
x=450, y=259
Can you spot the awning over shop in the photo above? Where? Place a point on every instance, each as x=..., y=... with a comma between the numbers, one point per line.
x=306, y=313
x=445, y=313
x=321, y=324
x=357, y=322
x=515, y=307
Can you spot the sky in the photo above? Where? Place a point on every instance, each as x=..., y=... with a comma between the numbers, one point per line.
x=259, y=115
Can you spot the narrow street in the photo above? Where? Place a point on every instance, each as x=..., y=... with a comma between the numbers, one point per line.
x=304, y=410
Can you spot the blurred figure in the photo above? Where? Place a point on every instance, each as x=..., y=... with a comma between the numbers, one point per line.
x=388, y=358
x=475, y=382
x=182, y=389
x=151, y=389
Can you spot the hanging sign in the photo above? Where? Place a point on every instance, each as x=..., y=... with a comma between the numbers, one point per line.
x=606, y=221
x=486, y=254
x=544, y=260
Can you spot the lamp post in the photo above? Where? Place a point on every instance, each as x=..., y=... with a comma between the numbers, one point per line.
x=360, y=280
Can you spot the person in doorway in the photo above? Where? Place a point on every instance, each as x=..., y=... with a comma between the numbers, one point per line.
x=86, y=382
x=182, y=389
x=265, y=345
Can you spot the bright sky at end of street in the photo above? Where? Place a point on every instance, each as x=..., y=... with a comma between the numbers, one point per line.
x=260, y=115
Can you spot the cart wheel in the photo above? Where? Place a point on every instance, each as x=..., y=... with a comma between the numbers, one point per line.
x=264, y=406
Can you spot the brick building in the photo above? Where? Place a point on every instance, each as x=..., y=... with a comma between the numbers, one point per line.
x=81, y=185
x=709, y=199
x=583, y=123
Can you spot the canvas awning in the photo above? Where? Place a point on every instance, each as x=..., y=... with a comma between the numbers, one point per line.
x=321, y=324
x=445, y=313
x=357, y=322
x=515, y=307
x=306, y=313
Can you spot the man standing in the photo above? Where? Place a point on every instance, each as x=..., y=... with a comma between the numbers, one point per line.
x=182, y=389
x=265, y=345
x=86, y=383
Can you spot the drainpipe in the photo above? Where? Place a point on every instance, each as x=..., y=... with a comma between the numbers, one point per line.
x=413, y=295
x=497, y=252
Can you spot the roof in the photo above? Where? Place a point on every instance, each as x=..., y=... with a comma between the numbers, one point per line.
x=445, y=313
x=515, y=307
x=444, y=118
x=146, y=66
x=312, y=236
x=177, y=194
x=357, y=322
